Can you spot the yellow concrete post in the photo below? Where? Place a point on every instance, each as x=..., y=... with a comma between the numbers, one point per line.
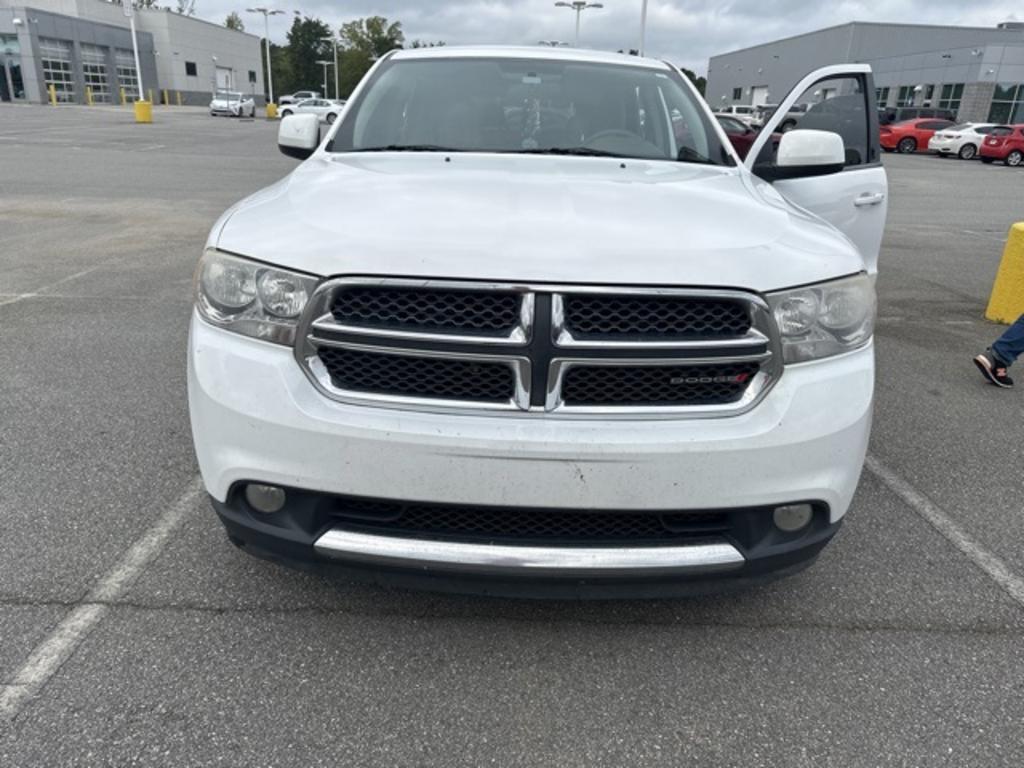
x=124, y=99
x=167, y=101
x=271, y=111
x=1006, y=303
x=53, y=94
x=143, y=112
x=179, y=98
x=88, y=96
x=150, y=98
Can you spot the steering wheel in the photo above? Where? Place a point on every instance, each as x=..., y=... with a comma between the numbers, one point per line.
x=618, y=132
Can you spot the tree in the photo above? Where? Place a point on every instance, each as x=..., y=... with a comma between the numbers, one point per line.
x=186, y=7
x=700, y=82
x=365, y=41
x=234, y=21
x=305, y=46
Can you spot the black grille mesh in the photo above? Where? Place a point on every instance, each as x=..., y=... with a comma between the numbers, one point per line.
x=418, y=376
x=488, y=312
x=518, y=524
x=664, y=317
x=657, y=384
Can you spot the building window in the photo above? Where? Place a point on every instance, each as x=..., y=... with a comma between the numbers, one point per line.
x=951, y=95
x=737, y=94
x=94, y=69
x=252, y=76
x=1007, y=104
x=56, y=60
x=905, y=97
x=882, y=96
x=127, y=78
x=929, y=93
x=190, y=69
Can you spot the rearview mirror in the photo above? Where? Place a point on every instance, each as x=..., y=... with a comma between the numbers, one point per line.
x=804, y=152
x=299, y=135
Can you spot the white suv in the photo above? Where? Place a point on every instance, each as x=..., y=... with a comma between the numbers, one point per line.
x=543, y=331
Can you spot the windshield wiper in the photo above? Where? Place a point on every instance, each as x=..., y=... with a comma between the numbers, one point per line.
x=408, y=148
x=688, y=155
x=582, y=151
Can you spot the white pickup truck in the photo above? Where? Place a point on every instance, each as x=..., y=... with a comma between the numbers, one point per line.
x=543, y=332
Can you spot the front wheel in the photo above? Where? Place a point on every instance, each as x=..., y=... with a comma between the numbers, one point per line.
x=968, y=152
x=787, y=126
x=1014, y=158
x=285, y=112
x=331, y=118
x=906, y=146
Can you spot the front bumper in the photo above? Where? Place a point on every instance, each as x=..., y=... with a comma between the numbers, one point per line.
x=257, y=418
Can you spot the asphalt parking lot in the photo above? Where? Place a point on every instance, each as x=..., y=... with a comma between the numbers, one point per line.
x=133, y=633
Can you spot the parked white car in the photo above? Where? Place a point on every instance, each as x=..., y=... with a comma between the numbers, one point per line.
x=233, y=104
x=477, y=343
x=745, y=113
x=326, y=110
x=293, y=98
x=962, y=140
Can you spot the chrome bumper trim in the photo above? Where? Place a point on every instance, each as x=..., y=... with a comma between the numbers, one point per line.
x=506, y=560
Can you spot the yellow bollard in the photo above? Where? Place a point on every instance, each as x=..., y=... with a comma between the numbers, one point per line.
x=179, y=98
x=1006, y=303
x=88, y=96
x=143, y=112
x=271, y=111
x=124, y=99
x=167, y=101
x=151, y=98
x=53, y=94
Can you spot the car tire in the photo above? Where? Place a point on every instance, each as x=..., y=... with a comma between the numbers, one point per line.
x=1014, y=159
x=968, y=152
x=285, y=112
x=787, y=126
x=331, y=117
x=907, y=146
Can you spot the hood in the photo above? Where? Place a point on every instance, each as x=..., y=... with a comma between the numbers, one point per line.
x=535, y=219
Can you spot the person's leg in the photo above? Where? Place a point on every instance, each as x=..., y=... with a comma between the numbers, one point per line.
x=1010, y=345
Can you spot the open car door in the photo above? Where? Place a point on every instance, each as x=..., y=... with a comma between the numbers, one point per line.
x=839, y=99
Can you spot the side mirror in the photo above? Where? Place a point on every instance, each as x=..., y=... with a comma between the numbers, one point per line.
x=299, y=135
x=804, y=152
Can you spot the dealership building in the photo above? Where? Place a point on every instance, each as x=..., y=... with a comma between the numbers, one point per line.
x=977, y=72
x=83, y=48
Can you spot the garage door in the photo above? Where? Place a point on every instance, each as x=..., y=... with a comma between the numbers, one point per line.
x=759, y=95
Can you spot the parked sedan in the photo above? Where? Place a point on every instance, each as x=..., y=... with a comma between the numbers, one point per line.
x=1006, y=143
x=910, y=135
x=233, y=104
x=962, y=140
x=326, y=109
x=741, y=135
x=295, y=98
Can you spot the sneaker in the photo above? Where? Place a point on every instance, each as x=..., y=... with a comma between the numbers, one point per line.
x=993, y=369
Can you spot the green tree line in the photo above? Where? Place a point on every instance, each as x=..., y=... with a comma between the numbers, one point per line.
x=361, y=43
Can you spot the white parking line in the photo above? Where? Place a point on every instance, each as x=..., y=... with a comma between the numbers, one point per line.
x=47, y=657
x=15, y=298
x=940, y=520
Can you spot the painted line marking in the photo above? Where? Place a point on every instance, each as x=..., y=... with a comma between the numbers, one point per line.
x=14, y=298
x=47, y=657
x=940, y=520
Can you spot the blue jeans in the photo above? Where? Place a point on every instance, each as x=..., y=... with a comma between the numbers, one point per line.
x=1010, y=345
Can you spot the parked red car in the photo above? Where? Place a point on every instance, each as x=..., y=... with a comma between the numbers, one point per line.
x=910, y=135
x=1005, y=143
x=740, y=134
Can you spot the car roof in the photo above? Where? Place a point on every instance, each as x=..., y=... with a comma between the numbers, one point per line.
x=526, y=52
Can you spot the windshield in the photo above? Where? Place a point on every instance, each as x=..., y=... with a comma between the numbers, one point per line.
x=229, y=95
x=528, y=106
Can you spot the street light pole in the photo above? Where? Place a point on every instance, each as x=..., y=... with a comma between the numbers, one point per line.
x=325, y=64
x=267, y=13
x=579, y=6
x=334, y=41
x=643, y=26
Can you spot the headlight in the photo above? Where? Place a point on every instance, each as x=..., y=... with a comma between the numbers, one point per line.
x=826, y=319
x=251, y=298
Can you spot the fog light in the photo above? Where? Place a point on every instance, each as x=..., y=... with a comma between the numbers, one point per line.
x=265, y=498
x=791, y=518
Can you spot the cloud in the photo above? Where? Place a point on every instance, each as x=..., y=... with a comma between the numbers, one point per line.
x=686, y=32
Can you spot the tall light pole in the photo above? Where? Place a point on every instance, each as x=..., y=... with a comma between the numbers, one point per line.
x=643, y=26
x=579, y=6
x=325, y=64
x=129, y=11
x=267, y=13
x=334, y=41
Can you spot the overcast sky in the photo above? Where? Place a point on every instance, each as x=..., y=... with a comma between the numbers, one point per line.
x=684, y=31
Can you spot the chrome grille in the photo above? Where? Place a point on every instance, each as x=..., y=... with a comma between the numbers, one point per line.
x=534, y=349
